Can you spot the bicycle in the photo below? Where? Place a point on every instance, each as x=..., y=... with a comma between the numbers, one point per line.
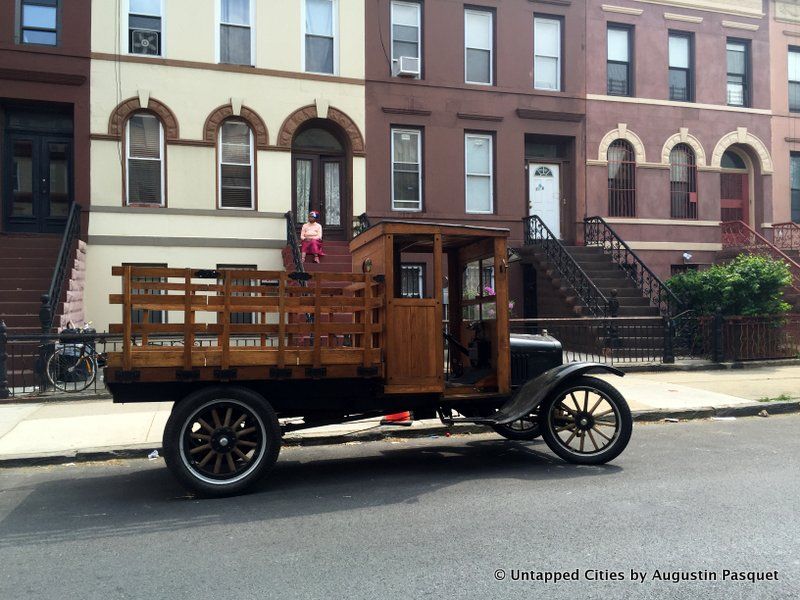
x=74, y=363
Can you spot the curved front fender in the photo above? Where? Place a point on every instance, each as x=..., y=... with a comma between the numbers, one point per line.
x=530, y=395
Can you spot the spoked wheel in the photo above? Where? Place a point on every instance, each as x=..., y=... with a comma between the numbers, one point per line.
x=69, y=369
x=586, y=422
x=524, y=429
x=220, y=440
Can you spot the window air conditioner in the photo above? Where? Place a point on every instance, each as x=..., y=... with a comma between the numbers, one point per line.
x=407, y=66
x=145, y=41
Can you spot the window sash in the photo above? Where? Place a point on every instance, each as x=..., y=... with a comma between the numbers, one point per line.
x=480, y=205
x=738, y=61
x=416, y=27
x=228, y=38
x=315, y=32
x=235, y=165
x=543, y=55
x=142, y=160
x=406, y=167
x=618, y=55
x=476, y=48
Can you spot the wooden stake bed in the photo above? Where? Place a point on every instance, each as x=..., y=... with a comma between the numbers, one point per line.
x=194, y=325
x=246, y=325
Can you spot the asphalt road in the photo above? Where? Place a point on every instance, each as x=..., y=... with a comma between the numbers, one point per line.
x=428, y=518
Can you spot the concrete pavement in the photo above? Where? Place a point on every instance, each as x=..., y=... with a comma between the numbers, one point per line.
x=65, y=429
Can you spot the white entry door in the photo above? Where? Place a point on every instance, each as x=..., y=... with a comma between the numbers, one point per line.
x=545, y=195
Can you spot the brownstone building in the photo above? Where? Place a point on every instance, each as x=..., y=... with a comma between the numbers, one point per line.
x=44, y=143
x=468, y=105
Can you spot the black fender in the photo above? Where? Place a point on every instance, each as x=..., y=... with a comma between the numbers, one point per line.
x=534, y=391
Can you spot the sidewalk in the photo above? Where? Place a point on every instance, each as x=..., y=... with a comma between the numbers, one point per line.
x=57, y=431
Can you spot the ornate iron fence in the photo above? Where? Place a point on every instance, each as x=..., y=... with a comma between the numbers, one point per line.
x=786, y=236
x=598, y=233
x=538, y=234
x=293, y=242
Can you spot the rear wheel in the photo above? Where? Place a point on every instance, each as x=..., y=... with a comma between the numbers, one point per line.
x=524, y=429
x=219, y=441
x=586, y=421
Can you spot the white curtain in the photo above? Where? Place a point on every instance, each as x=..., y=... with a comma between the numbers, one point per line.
x=333, y=198
x=302, y=188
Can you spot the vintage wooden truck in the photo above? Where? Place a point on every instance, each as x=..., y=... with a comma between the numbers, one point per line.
x=238, y=350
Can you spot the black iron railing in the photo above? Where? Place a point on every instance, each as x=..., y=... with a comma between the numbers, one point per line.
x=608, y=340
x=294, y=243
x=62, y=270
x=360, y=224
x=598, y=233
x=537, y=234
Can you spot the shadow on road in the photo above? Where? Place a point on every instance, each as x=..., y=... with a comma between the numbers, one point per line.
x=135, y=497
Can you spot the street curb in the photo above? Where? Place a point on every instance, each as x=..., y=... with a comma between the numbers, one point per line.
x=724, y=366
x=644, y=416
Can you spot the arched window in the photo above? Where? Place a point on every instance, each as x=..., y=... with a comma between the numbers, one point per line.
x=144, y=153
x=621, y=180
x=235, y=165
x=683, y=182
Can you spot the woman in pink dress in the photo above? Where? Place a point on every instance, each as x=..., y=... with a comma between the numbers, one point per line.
x=311, y=238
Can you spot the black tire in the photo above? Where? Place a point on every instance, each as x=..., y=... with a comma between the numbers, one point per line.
x=522, y=430
x=570, y=414
x=214, y=429
x=70, y=369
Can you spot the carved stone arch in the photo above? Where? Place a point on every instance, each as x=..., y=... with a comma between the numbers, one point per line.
x=684, y=137
x=622, y=133
x=744, y=137
x=251, y=117
x=301, y=115
x=124, y=110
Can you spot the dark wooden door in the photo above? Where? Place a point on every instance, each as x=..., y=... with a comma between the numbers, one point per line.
x=319, y=183
x=734, y=197
x=37, y=182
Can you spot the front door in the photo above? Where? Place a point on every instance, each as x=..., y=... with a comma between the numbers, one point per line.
x=37, y=182
x=734, y=197
x=544, y=195
x=319, y=185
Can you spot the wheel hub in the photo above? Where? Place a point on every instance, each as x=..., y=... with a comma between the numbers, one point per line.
x=584, y=421
x=223, y=440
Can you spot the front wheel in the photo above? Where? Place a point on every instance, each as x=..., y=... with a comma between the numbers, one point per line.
x=218, y=441
x=586, y=421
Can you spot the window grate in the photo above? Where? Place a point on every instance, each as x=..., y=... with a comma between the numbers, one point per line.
x=683, y=182
x=621, y=179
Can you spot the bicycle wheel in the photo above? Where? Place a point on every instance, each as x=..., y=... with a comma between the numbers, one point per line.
x=70, y=369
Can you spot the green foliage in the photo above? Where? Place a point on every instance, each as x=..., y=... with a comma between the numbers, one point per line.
x=748, y=285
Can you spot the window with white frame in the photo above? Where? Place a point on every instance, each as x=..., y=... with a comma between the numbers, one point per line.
x=794, y=79
x=39, y=22
x=145, y=27
x=236, y=32
x=406, y=169
x=479, y=173
x=144, y=151
x=235, y=165
x=547, y=53
x=478, y=46
x=406, y=33
x=320, y=36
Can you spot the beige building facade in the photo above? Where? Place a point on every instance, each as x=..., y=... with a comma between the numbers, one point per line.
x=210, y=119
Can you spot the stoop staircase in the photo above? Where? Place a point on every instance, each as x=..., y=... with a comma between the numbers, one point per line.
x=602, y=279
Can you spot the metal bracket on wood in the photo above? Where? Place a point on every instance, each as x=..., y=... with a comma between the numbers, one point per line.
x=316, y=373
x=226, y=374
x=276, y=373
x=127, y=376
x=367, y=371
x=184, y=375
